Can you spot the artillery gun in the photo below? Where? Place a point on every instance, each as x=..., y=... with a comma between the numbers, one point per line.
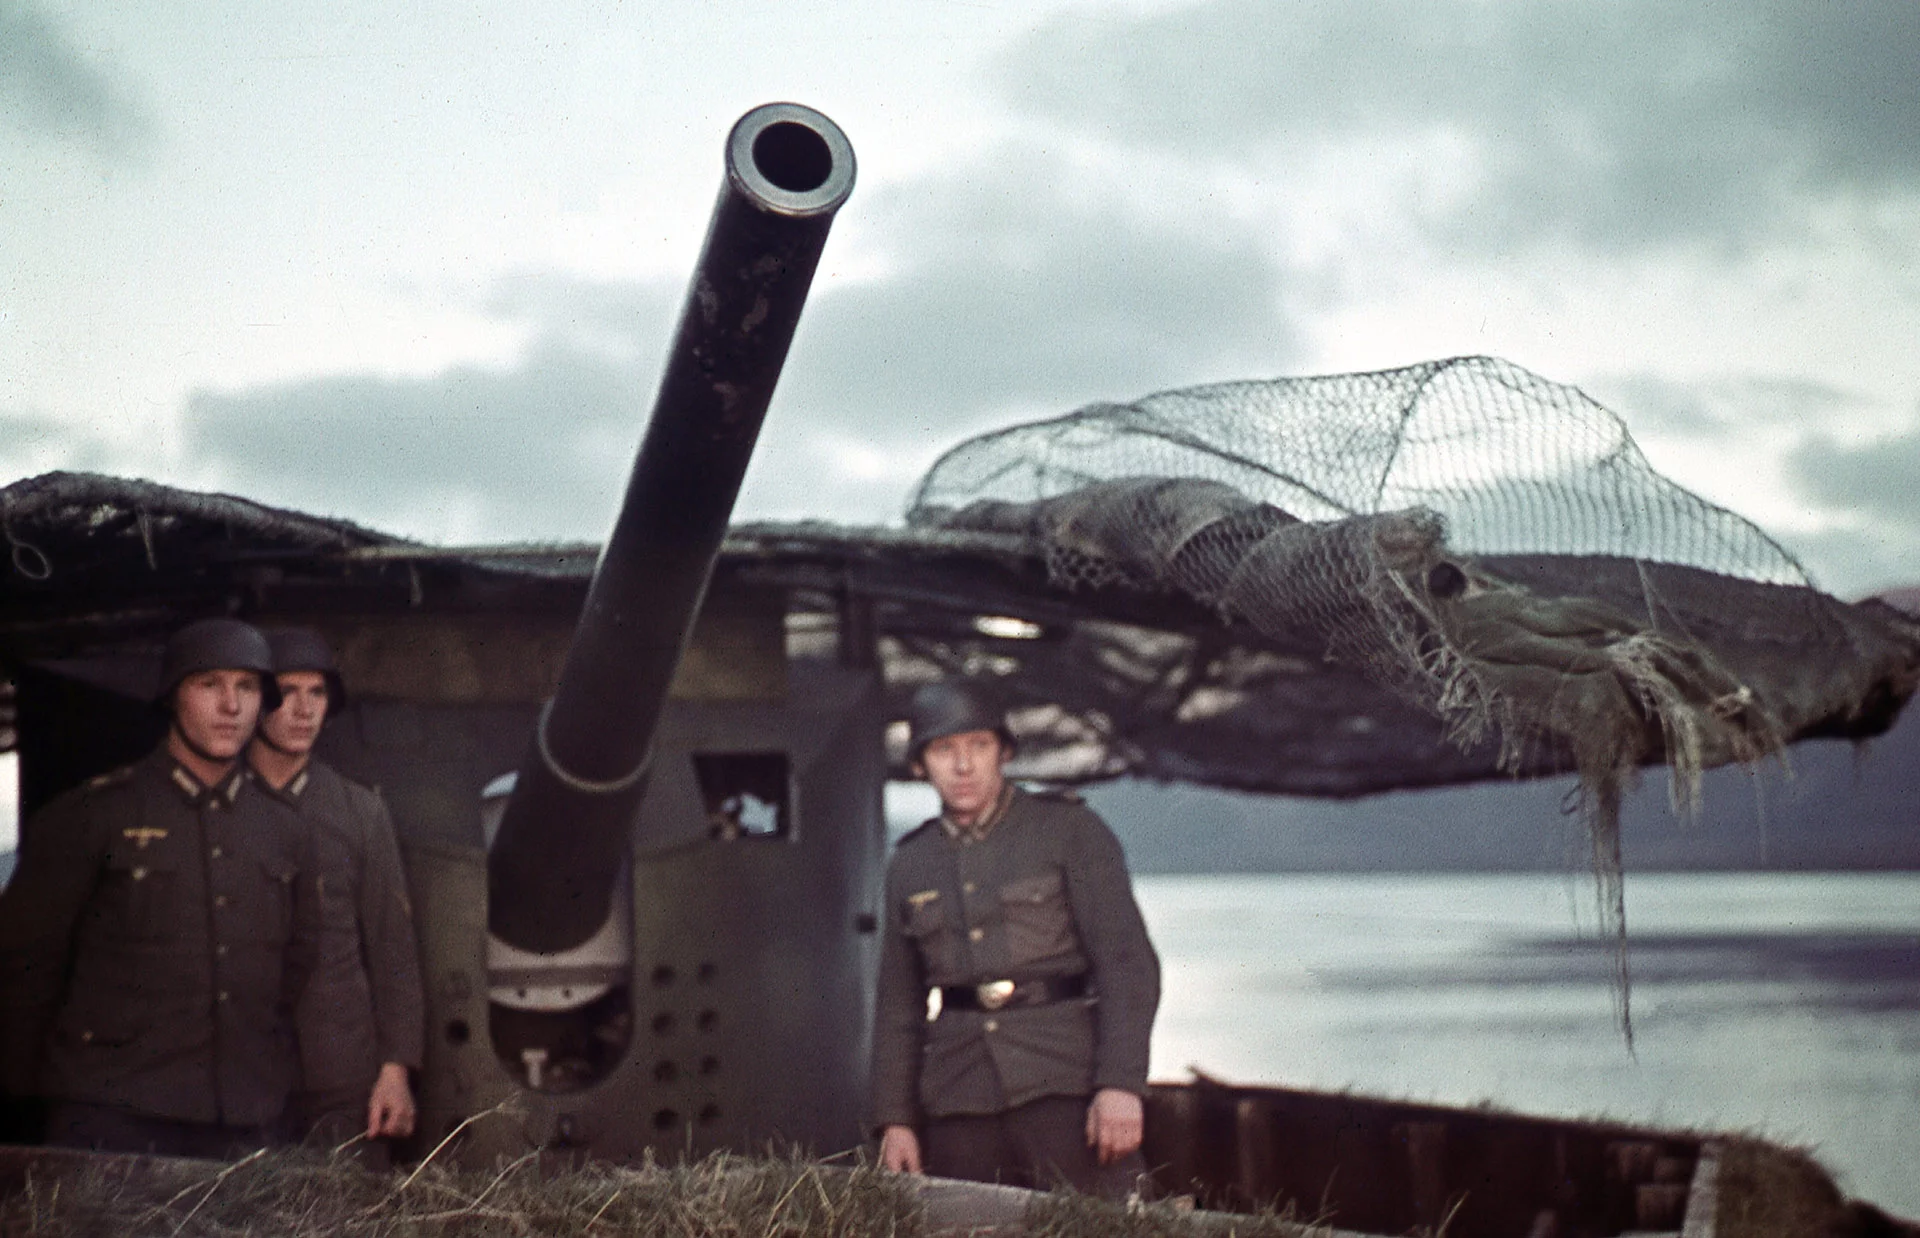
x=744, y=813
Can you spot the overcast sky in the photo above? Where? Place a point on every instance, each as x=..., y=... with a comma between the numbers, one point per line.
x=416, y=265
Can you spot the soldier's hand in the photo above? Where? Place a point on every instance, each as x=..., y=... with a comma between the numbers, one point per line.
x=900, y=1150
x=390, y=1108
x=1116, y=1123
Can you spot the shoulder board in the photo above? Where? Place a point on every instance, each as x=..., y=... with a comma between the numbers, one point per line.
x=112, y=777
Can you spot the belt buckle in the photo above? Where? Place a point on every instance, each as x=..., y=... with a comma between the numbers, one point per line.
x=994, y=993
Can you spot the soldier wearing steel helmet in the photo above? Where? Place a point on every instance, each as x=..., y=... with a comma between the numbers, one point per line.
x=1016, y=908
x=361, y=1018
x=159, y=927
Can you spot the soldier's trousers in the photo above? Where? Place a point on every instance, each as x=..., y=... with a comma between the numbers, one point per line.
x=102, y=1128
x=1041, y=1144
x=336, y=1121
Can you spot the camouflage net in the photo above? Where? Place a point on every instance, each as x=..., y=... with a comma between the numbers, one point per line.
x=1294, y=587
x=1342, y=511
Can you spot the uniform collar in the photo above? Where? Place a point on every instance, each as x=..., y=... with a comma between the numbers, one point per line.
x=984, y=826
x=295, y=788
x=220, y=795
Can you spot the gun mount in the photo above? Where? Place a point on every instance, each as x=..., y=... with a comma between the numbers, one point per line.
x=565, y=832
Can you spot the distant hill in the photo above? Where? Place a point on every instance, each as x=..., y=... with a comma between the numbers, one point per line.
x=1841, y=807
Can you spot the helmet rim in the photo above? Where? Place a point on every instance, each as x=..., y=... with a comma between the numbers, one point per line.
x=942, y=709
x=303, y=649
x=218, y=644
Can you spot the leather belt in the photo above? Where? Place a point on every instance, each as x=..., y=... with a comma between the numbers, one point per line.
x=1002, y=994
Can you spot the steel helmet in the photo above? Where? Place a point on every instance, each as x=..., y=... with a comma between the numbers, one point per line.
x=942, y=709
x=217, y=645
x=303, y=649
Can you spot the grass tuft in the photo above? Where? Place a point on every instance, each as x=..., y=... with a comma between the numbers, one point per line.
x=1067, y=1215
x=1770, y=1191
x=301, y=1194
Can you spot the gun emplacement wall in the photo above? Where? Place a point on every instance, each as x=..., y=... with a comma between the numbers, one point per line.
x=741, y=1013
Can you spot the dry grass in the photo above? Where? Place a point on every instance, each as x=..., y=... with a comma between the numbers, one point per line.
x=1769, y=1191
x=305, y=1195
x=1764, y=1190
x=1079, y=1216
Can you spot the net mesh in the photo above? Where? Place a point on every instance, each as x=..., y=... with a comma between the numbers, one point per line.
x=1514, y=462
x=1387, y=518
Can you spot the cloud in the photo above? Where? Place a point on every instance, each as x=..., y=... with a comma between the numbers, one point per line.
x=1009, y=290
x=32, y=443
x=535, y=452
x=1752, y=443
x=1875, y=478
x=1863, y=558
x=1628, y=124
x=1655, y=404
x=621, y=320
x=49, y=87
x=1870, y=537
x=1004, y=294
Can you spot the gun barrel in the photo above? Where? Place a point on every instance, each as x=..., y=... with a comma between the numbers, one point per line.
x=565, y=830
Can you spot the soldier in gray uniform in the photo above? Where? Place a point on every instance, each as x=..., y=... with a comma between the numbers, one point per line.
x=1017, y=909
x=160, y=926
x=361, y=1018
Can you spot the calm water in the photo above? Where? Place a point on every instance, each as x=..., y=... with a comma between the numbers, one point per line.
x=1783, y=1004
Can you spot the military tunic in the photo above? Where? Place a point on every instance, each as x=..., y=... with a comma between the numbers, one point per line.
x=1044, y=895
x=152, y=943
x=363, y=1007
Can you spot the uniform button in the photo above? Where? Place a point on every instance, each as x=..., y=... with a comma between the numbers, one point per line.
x=216, y=853
x=976, y=934
x=223, y=995
x=993, y=1025
x=221, y=950
x=968, y=888
x=219, y=900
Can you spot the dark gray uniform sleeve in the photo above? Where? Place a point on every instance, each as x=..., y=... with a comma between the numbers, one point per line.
x=388, y=943
x=1125, y=968
x=59, y=865
x=900, y=1019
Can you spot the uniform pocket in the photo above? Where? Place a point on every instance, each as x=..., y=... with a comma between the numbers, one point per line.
x=142, y=895
x=932, y=935
x=1039, y=921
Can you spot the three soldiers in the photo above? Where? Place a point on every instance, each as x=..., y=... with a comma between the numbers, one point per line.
x=1017, y=909
x=165, y=918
